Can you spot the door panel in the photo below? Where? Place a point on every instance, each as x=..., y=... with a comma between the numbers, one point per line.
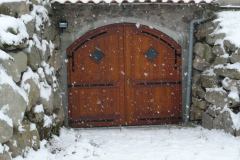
x=96, y=105
x=124, y=75
x=153, y=91
x=156, y=102
x=96, y=85
x=86, y=69
x=162, y=67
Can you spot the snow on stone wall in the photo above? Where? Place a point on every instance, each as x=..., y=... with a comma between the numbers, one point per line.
x=130, y=1
x=8, y=1
x=30, y=100
x=216, y=76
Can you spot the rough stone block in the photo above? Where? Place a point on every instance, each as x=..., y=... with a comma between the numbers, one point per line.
x=21, y=9
x=204, y=30
x=229, y=47
x=25, y=137
x=221, y=60
x=37, y=114
x=6, y=130
x=4, y=9
x=33, y=93
x=34, y=58
x=207, y=121
x=198, y=92
x=228, y=70
x=56, y=60
x=200, y=63
x=214, y=111
x=209, y=81
x=47, y=101
x=199, y=103
x=235, y=57
x=14, y=101
x=227, y=123
x=217, y=50
x=204, y=51
x=218, y=122
x=212, y=38
x=20, y=58
x=195, y=113
x=12, y=69
x=216, y=96
x=5, y=156
x=237, y=133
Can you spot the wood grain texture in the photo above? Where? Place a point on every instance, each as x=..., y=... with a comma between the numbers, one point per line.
x=124, y=87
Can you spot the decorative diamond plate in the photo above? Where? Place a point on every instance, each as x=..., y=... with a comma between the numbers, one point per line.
x=97, y=55
x=151, y=54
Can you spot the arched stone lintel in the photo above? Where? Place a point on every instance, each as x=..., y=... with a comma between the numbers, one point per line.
x=178, y=37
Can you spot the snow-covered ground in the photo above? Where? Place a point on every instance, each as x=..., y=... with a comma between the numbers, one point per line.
x=146, y=143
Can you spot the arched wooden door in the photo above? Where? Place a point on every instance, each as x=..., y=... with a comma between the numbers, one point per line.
x=122, y=74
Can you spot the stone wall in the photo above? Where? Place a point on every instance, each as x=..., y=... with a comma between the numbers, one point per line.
x=216, y=79
x=30, y=100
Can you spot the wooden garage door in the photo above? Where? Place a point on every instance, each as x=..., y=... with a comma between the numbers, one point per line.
x=123, y=74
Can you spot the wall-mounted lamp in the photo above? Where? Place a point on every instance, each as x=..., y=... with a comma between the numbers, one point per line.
x=62, y=24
